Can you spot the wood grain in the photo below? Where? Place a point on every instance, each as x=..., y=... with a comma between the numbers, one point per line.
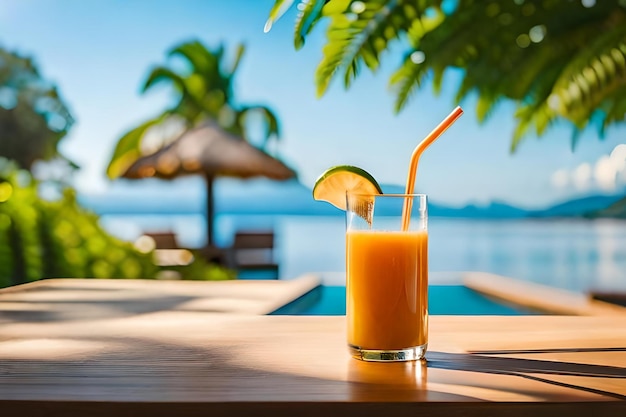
x=171, y=360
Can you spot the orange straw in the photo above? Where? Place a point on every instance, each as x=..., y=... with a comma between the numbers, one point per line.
x=419, y=149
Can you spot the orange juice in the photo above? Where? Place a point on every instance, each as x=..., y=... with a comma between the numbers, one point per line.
x=387, y=289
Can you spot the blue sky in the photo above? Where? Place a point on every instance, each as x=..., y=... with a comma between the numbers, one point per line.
x=99, y=52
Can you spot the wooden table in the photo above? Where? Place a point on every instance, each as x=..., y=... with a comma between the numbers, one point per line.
x=108, y=357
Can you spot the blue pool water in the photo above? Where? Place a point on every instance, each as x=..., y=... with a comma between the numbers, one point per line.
x=442, y=300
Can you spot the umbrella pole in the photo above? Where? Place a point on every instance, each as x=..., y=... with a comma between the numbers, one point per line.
x=210, y=210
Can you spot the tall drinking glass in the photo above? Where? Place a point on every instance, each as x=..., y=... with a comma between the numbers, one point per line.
x=387, y=276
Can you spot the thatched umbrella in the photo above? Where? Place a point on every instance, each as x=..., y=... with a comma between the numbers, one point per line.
x=210, y=151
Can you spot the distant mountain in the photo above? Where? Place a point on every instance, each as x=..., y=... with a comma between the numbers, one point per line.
x=597, y=205
x=494, y=210
x=578, y=207
x=262, y=196
x=258, y=196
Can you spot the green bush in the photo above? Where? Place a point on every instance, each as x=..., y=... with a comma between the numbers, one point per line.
x=53, y=239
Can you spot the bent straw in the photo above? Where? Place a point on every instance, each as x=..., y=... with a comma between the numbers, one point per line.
x=417, y=152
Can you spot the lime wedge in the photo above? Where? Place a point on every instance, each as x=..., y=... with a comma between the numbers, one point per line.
x=333, y=184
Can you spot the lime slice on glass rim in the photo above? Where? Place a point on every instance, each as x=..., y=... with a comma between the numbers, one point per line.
x=335, y=182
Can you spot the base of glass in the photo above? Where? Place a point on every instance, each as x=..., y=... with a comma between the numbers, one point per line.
x=396, y=355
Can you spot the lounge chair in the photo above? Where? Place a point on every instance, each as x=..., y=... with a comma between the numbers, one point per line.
x=163, y=240
x=253, y=251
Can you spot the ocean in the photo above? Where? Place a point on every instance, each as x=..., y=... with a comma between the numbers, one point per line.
x=574, y=254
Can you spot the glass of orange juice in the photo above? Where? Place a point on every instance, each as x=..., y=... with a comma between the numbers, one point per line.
x=387, y=276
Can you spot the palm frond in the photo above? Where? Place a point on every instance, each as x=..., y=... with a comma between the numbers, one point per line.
x=535, y=110
x=270, y=121
x=309, y=14
x=200, y=58
x=128, y=148
x=239, y=52
x=538, y=115
x=206, y=63
x=358, y=36
x=592, y=76
x=498, y=65
x=524, y=116
x=279, y=8
x=163, y=74
x=615, y=109
x=406, y=80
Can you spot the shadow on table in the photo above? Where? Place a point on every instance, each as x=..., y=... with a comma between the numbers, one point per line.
x=73, y=310
x=529, y=368
x=73, y=302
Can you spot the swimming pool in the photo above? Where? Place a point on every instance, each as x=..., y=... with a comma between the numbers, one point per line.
x=442, y=300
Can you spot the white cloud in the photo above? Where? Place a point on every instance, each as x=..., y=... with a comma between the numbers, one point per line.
x=560, y=179
x=618, y=157
x=582, y=177
x=605, y=173
x=608, y=173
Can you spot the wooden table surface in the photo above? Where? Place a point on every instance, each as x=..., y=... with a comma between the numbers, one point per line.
x=102, y=357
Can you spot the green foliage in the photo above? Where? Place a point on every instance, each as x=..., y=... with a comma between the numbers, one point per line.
x=33, y=118
x=558, y=60
x=203, y=89
x=54, y=239
x=271, y=122
x=128, y=148
x=357, y=35
x=309, y=14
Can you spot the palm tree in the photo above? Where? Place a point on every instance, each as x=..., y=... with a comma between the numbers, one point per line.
x=555, y=59
x=204, y=91
x=204, y=95
x=33, y=118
